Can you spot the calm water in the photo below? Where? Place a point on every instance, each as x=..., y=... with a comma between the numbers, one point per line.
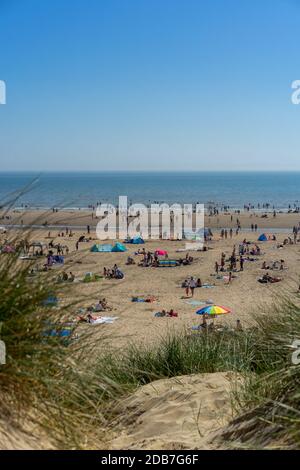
x=85, y=189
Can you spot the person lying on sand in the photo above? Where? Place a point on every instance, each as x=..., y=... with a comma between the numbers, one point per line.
x=98, y=307
x=89, y=318
x=171, y=313
x=163, y=313
x=266, y=278
x=104, y=304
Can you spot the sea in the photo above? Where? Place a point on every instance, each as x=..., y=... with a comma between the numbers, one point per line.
x=73, y=190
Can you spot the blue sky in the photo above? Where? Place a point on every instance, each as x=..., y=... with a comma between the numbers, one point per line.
x=149, y=84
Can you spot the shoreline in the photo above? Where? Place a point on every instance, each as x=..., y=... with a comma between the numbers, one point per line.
x=80, y=219
x=83, y=228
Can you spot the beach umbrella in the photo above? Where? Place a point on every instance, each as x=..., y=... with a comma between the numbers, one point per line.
x=213, y=310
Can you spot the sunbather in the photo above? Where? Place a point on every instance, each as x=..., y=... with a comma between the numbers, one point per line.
x=171, y=313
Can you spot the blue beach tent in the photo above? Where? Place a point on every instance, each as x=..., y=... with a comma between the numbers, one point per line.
x=119, y=247
x=137, y=241
x=263, y=238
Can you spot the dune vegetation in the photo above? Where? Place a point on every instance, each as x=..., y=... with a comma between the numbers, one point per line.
x=49, y=380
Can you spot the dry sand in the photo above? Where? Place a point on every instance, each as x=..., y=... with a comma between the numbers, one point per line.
x=136, y=322
x=163, y=415
x=179, y=413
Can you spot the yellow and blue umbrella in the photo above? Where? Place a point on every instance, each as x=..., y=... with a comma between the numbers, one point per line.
x=213, y=310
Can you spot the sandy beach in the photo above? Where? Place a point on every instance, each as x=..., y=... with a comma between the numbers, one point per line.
x=244, y=296
x=167, y=408
x=79, y=218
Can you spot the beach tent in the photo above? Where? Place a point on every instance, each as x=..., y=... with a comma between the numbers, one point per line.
x=119, y=247
x=137, y=241
x=161, y=252
x=107, y=248
x=263, y=238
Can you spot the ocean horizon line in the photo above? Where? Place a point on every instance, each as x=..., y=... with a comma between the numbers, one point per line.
x=88, y=172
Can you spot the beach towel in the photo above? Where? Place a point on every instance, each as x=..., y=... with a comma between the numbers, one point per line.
x=196, y=302
x=102, y=320
x=207, y=286
x=91, y=277
x=167, y=263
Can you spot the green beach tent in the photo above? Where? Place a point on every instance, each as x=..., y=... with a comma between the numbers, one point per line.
x=97, y=248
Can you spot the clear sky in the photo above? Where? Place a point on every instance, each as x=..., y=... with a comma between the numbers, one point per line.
x=149, y=84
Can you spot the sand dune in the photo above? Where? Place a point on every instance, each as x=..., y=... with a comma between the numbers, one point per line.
x=178, y=413
x=21, y=436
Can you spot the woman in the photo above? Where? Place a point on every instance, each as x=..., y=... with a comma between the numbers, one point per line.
x=192, y=286
x=187, y=288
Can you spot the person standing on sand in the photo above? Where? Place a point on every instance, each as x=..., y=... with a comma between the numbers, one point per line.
x=192, y=285
x=187, y=287
x=223, y=261
x=230, y=233
x=77, y=246
x=241, y=263
x=216, y=267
